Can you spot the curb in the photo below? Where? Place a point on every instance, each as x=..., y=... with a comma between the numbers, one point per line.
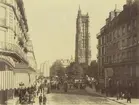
x=91, y=91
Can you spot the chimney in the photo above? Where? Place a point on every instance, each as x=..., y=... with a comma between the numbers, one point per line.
x=129, y=2
x=111, y=15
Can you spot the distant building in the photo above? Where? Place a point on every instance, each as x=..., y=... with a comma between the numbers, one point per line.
x=66, y=62
x=83, y=50
x=15, y=66
x=45, y=69
x=118, y=49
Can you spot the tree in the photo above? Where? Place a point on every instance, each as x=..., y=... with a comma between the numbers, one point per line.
x=57, y=69
x=92, y=70
x=74, y=70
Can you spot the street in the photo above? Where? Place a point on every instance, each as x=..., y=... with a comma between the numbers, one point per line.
x=75, y=97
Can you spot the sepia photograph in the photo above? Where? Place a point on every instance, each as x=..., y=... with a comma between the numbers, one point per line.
x=69, y=52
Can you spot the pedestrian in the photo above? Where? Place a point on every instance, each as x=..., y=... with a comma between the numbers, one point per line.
x=129, y=97
x=122, y=95
x=65, y=86
x=118, y=95
x=20, y=98
x=40, y=99
x=44, y=100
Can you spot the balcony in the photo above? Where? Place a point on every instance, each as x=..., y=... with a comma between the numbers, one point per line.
x=21, y=67
x=8, y=59
x=98, y=35
x=13, y=50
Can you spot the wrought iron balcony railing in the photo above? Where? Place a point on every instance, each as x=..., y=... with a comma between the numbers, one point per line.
x=8, y=59
x=12, y=48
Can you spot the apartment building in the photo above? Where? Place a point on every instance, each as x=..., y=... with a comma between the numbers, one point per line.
x=15, y=64
x=118, y=49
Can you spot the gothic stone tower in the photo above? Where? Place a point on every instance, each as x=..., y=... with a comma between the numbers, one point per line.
x=82, y=50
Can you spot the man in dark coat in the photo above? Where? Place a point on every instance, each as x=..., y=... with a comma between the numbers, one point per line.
x=129, y=97
x=44, y=100
x=65, y=86
x=40, y=99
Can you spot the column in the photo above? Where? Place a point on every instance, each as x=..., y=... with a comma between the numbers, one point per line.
x=8, y=79
x=13, y=80
x=0, y=81
x=3, y=80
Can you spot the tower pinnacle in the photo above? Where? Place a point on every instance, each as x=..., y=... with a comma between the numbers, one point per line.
x=79, y=11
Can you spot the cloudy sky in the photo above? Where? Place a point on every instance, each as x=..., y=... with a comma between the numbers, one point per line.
x=52, y=25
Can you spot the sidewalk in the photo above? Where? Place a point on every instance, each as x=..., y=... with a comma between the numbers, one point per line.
x=37, y=100
x=13, y=101
x=123, y=102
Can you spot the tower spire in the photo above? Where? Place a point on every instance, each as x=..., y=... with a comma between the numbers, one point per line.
x=79, y=8
x=79, y=11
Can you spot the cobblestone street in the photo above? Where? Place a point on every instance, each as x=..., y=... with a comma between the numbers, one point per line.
x=75, y=97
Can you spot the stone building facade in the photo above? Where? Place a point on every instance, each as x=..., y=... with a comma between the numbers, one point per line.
x=118, y=49
x=17, y=60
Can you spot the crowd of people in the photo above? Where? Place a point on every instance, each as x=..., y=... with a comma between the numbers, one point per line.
x=42, y=99
x=28, y=95
x=66, y=85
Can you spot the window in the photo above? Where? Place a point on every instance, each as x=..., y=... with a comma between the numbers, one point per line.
x=110, y=58
x=135, y=23
x=122, y=56
x=134, y=40
x=110, y=37
x=2, y=36
x=113, y=58
x=123, y=30
x=129, y=41
x=11, y=18
x=83, y=42
x=2, y=15
x=134, y=53
x=120, y=31
x=129, y=55
x=118, y=58
x=129, y=27
x=123, y=43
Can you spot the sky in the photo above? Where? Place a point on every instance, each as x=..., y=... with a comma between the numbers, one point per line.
x=52, y=25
